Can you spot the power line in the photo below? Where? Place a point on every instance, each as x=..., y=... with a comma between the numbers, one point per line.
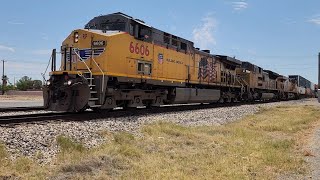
x=28, y=62
x=284, y=56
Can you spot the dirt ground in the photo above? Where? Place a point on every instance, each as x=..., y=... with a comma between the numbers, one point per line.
x=4, y=98
x=7, y=101
x=312, y=153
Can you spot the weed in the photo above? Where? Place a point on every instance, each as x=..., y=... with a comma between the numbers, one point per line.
x=3, y=152
x=67, y=144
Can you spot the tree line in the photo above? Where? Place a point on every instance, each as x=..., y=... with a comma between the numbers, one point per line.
x=23, y=84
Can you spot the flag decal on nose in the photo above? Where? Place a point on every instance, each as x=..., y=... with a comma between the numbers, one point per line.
x=84, y=54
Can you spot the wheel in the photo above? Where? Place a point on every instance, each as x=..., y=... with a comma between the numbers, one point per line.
x=221, y=100
x=227, y=100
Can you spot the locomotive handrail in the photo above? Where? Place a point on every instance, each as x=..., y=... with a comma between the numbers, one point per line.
x=242, y=80
x=102, y=87
x=43, y=74
x=238, y=78
x=83, y=62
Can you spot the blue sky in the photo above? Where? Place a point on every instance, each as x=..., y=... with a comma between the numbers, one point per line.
x=280, y=35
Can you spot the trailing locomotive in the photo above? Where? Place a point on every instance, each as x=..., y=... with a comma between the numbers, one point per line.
x=119, y=61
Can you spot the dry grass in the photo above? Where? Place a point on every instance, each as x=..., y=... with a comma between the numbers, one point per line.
x=21, y=167
x=261, y=146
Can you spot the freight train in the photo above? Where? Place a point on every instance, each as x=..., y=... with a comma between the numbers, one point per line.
x=119, y=61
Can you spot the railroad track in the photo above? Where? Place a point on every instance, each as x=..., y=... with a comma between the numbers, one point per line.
x=17, y=109
x=28, y=118
x=118, y=113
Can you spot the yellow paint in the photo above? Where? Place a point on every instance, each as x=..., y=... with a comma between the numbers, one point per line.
x=117, y=60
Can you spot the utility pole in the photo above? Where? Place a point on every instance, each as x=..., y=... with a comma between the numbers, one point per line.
x=3, y=77
x=318, y=90
x=319, y=70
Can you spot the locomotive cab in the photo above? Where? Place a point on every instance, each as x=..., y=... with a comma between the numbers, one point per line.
x=80, y=81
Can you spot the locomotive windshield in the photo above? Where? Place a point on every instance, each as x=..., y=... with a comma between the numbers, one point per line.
x=113, y=26
x=106, y=24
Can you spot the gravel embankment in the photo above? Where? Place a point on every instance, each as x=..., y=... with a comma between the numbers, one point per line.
x=32, y=139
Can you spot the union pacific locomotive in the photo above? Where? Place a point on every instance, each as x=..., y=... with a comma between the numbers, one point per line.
x=119, y=61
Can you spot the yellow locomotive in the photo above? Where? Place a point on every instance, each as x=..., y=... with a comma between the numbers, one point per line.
x=119, y=61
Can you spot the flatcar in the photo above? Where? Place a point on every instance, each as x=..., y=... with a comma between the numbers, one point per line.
x=119, y=61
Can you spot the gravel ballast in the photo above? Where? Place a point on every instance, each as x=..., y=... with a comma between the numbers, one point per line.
x=31, y=139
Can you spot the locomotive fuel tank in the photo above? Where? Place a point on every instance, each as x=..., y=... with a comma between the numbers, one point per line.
x=192, y=95
x=267, y=96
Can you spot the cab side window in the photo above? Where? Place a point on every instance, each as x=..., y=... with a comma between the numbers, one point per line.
x=131, y=29
x=141, y=32
x=183, y=46
x=144, y=33
x=166, y=38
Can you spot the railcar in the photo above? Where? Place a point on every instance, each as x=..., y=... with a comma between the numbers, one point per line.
x=305, y=87
x=119, y=61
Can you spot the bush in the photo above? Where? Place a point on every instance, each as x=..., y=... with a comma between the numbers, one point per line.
x=26, y=83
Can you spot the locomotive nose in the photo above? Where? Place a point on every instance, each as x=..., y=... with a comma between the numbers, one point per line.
x=68, y=96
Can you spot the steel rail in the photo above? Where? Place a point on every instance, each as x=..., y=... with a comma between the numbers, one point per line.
x=17, y=109
x=30, y=118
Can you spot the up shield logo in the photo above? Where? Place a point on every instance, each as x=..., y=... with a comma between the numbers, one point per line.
x=160, y=58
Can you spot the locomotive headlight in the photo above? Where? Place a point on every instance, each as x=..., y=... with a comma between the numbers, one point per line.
x=48, y=83
x=76, y=37
x=69, y=82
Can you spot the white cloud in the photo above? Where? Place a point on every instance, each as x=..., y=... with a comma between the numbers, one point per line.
x=315, y=20
x=6, y=48
x=290, y=21
x=42, y=52
x=239, y=5
x=44, y=36
x=15, y=23
x=203, y=34
x=252, y=52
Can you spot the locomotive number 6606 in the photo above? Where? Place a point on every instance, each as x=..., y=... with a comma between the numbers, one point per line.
x=139, y=49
